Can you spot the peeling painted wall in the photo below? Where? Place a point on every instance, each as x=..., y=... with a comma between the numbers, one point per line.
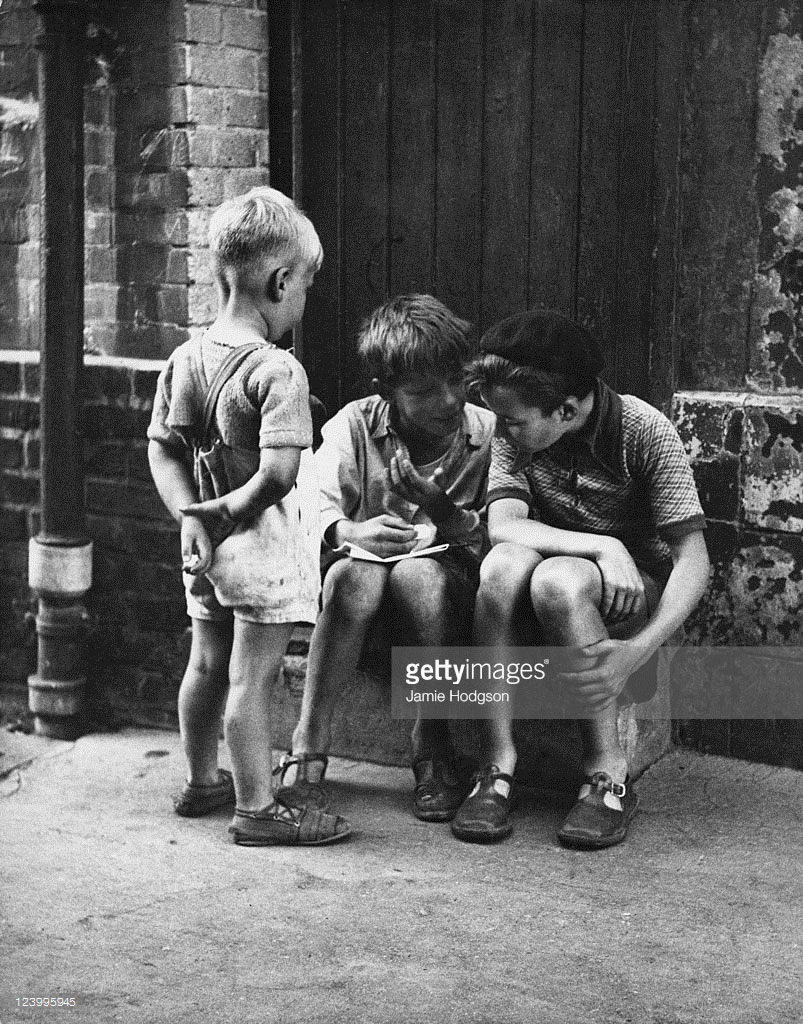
x=741, y=335
x=776, y=337
x=720, y=219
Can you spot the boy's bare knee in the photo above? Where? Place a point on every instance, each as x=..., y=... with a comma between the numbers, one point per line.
x=506, y=570
x=354, y=589
x=210, y=649
x=420, y=582
x=562, y=584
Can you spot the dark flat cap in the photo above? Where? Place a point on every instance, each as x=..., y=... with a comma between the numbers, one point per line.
x=546, y=341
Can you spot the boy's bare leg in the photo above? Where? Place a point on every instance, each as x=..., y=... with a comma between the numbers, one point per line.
x=352, y=595
x=201, y=697
x=420, y=596
x=566, y=593
x=500, y=618
x=256, y=657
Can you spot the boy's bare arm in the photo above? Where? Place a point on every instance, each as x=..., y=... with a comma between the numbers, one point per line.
x=612, y=662
x=508, y=522
x=172, y=477
x=277, y=472
x=622, y=585
x=687, y=583
x=177, y=489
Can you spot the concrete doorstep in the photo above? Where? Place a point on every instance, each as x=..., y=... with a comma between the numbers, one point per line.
x=138, y=915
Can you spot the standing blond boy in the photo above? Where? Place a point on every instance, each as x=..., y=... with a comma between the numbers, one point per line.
x=245, y=593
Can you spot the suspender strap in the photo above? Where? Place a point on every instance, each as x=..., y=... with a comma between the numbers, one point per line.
x=230, y=365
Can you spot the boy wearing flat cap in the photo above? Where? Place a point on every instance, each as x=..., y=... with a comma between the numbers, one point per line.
x=598, y=542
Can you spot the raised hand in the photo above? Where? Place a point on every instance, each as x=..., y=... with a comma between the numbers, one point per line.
x=426, y=492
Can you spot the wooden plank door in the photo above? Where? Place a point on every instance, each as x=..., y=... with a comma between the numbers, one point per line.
x=500, y=154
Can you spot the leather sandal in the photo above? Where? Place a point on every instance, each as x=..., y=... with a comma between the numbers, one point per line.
x=593, y=824
x=484, y=816
x=278, y=824
x=194, y=801
x=434, y=797
x=303, y=793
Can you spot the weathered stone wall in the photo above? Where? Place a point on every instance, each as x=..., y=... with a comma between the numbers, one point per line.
x=741, y=332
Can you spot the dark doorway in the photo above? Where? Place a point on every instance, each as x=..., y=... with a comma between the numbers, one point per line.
x=502, y=154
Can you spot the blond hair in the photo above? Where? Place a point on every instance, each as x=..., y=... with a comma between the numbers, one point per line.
x=251, y=231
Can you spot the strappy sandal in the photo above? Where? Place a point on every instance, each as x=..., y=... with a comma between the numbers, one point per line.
x=484, y=816
x=434, y=798
x=194, y=801
x=281, y=825
x=591, y=824
x=303, y=793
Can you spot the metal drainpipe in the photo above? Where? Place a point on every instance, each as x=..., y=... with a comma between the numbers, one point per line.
x=60, y=557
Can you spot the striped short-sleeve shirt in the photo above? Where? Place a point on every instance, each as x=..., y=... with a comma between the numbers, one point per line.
x=625, y=475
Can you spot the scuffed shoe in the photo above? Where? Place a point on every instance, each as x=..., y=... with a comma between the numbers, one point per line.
x=302, y=792
x=596, y=821
x=484, y=816
x=281, y=825
x=435, y=798
x=194, y=801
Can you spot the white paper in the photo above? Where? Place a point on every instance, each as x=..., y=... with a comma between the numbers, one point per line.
x=368, y=556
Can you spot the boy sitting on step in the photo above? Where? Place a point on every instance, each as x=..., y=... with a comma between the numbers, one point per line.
x=598, y=542
x=414, y=454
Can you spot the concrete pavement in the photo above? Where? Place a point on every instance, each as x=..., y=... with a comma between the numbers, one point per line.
x=142, y=916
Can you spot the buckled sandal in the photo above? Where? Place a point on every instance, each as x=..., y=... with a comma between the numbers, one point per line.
x=278, y=824
x=484, y=816
x=303, y=793
x=194, y=801
x=593, y=824
x=434, y=797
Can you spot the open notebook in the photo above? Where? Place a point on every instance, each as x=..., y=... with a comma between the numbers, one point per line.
x=426, y=534
x=368, y=556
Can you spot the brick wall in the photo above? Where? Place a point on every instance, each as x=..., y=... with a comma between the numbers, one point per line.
x=19, y=259
x=137, y=629
x=136, y=618
x=176, y=121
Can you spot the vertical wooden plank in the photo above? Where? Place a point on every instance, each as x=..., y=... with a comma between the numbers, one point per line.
x=318, y=29
x=365, y=164
x=557, y=66
x=663, y=342
x=636, y=243
x=506, y=159
x=603, y=45
x=412, y=147
x=281, y=94
x=458, y=230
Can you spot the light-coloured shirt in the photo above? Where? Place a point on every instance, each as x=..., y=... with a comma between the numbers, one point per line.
x=265, y=404
x=271, y=562
x=353, y=463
